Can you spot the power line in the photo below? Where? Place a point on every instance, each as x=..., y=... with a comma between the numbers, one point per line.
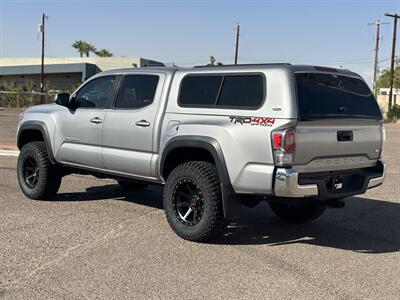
x=343, y=61
x=384, y=40
x=383, y=60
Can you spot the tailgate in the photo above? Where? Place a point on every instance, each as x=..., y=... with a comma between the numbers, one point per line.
x=328, y=145
x=339, y=123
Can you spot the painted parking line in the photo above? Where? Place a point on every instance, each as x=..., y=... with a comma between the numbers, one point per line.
x=9, y=153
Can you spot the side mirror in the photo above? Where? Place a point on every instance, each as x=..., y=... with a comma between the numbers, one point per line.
x=62, y=99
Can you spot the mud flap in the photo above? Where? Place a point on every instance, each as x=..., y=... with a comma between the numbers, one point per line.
x=232, y=205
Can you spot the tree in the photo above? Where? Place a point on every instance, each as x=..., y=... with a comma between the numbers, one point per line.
x=89, y=48
x=84, y=47
x=80, y=46
x=103, y=53
x=384, y=79
x=211, y=61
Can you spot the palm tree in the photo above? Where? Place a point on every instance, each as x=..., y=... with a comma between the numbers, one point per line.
x=83, y=47
x=89, y=48
x=104, y=53
x=79, y=45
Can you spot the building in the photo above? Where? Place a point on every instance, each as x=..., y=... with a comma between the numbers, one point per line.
x=383, y=98
x=61, y=73
x=386, y=91
x=383, y=101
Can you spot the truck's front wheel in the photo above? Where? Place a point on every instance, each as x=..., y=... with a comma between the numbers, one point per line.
x=37, y=176
x=192, y=201
x=297, y=213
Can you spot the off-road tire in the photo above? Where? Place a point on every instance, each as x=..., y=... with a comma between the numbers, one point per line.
x=297, y=213
x=129, y=185
x=205, y=176
x=48, y=175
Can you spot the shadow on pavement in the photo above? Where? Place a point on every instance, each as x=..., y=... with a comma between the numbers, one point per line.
x=365, y=225
x=150, y=196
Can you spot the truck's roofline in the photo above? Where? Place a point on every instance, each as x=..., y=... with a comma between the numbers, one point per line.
x=141, y=70
x=242, y=67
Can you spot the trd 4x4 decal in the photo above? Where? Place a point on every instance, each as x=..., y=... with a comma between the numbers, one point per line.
x=252, y=121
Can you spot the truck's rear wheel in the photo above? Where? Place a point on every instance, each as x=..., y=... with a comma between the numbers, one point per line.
x=37, y=176
x=192, y=201
x=297, y=213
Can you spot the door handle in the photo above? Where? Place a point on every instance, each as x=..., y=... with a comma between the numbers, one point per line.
x=96, y=120
x=143, y=123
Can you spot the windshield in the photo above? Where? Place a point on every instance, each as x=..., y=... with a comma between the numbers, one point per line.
x=334, y=96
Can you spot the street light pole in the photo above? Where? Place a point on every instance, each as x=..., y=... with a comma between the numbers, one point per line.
x=42, y=29
x=237, y=44
x=377, y=23
x=395, y=17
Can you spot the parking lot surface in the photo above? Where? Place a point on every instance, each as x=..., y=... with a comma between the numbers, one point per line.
x=8, y=127
x=95, y=241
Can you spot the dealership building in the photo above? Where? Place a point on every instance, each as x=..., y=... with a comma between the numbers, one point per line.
x=62, y=72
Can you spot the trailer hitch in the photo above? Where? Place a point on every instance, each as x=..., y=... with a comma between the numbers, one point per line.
x=335, y=203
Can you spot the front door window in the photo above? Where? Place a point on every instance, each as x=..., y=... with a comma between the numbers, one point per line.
x=96, y=94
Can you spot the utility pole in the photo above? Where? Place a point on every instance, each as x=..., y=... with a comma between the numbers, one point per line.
x=42, y=29
x=395, y=16
x=375, y=73
x=237, y=43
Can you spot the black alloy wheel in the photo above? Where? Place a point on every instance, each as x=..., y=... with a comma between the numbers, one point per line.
x=188, y=202
x=31, y=172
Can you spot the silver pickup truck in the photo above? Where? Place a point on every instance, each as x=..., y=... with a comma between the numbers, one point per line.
x=301, y=137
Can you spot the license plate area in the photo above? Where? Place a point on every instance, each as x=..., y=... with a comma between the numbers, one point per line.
x=348, y=182
x=344, y=183
x=337, y=182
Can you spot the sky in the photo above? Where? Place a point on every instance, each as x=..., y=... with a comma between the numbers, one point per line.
x=325, y=32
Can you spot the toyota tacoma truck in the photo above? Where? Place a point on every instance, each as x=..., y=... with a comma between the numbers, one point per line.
x=302, y=138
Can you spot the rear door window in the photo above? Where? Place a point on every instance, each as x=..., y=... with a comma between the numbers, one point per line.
x=322, y=96
x=245, y=91
x=137, y=91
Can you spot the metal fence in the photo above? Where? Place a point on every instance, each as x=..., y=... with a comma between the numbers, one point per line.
x=10, y=99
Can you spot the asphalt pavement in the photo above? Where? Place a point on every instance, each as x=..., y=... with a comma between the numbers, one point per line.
x=8, y=127
x=95, y=241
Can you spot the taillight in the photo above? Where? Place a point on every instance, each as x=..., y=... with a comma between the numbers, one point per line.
x=288, y=143
x=283, y=144
x=383, y=133
x=277, y=139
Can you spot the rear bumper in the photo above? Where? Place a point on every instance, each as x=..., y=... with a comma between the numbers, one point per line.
x=289, y=183
x=377, y=181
